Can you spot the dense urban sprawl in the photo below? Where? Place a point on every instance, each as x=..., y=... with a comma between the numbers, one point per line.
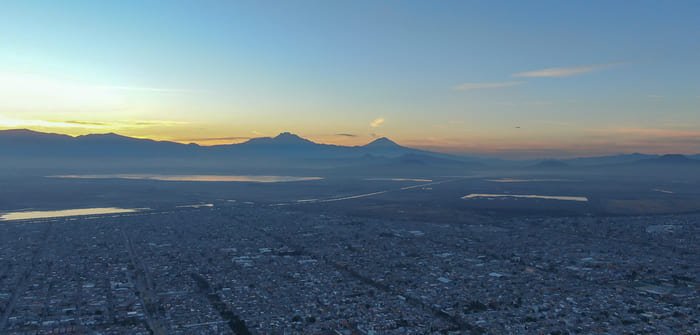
x=253, y=269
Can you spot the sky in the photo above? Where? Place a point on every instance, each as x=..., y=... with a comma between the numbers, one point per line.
x=511, y=79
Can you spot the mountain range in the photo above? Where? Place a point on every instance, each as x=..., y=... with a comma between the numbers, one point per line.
x=28, y=143
x=290, y=150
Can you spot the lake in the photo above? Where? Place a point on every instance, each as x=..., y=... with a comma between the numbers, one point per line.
x=528, y=196
x=400, y=179
x=193, y=177
x=26, y=215
x=512, y=180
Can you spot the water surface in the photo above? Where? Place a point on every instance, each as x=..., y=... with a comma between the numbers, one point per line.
x=26, y=215
x=513, y=180
x=192, y=177
x=195, y=206
x=529, y=196
x=400, y=179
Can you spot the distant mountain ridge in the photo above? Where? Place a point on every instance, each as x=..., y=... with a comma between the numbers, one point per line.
x=671, y=159
x=284, y=138
x=382, y=142
x=288, y=147
x=28, y=143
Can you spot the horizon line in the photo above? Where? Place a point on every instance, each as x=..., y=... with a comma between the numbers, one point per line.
x=504, y=154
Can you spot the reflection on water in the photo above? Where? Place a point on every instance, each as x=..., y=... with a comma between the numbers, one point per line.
x=192, y=177
x=195, y=206
x=529, y=196
x=399, y=179
x=354, y=196
x=512, y=180
x=63, y=213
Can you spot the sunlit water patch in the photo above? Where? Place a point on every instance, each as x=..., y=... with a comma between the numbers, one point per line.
x=528, y=196
x=26, y=215
x=195, y=206
x=513, y=180
x=400, y=179
x=193, y=177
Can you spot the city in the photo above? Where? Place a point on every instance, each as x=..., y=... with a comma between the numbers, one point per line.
x=237, y=268
x=349, y=167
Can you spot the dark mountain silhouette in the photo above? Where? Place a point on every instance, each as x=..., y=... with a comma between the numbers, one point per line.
x=619, y=162
x=29, y=135
x=382, y=142
x=25, y=137
x=27, y=143
x=673, y=165
x=606, y=160
x=25, y=148
x=670, y=159
x=281, y=139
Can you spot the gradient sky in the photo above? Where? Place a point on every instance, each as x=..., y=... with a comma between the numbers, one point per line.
x=505, y=78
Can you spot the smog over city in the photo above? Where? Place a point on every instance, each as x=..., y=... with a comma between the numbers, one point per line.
x=359, y=167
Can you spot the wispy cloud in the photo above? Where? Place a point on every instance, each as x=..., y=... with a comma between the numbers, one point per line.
x=21, y=123
x=154, y=123
x=86, y=123
x=471, y=86
x=149, y=89
x=376, y=123
x=123, y=124
x=560, y=72
x=346, y=135
x=207, y=139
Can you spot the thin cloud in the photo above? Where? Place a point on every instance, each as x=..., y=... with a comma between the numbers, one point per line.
x=471, y=86
x=151, y=123
x=560, y=72
x=149, y=89
x=233, y=138
x=84, y=123
x=376, y=123
x=14, y=123
x=346, y=135
x=17, y=123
